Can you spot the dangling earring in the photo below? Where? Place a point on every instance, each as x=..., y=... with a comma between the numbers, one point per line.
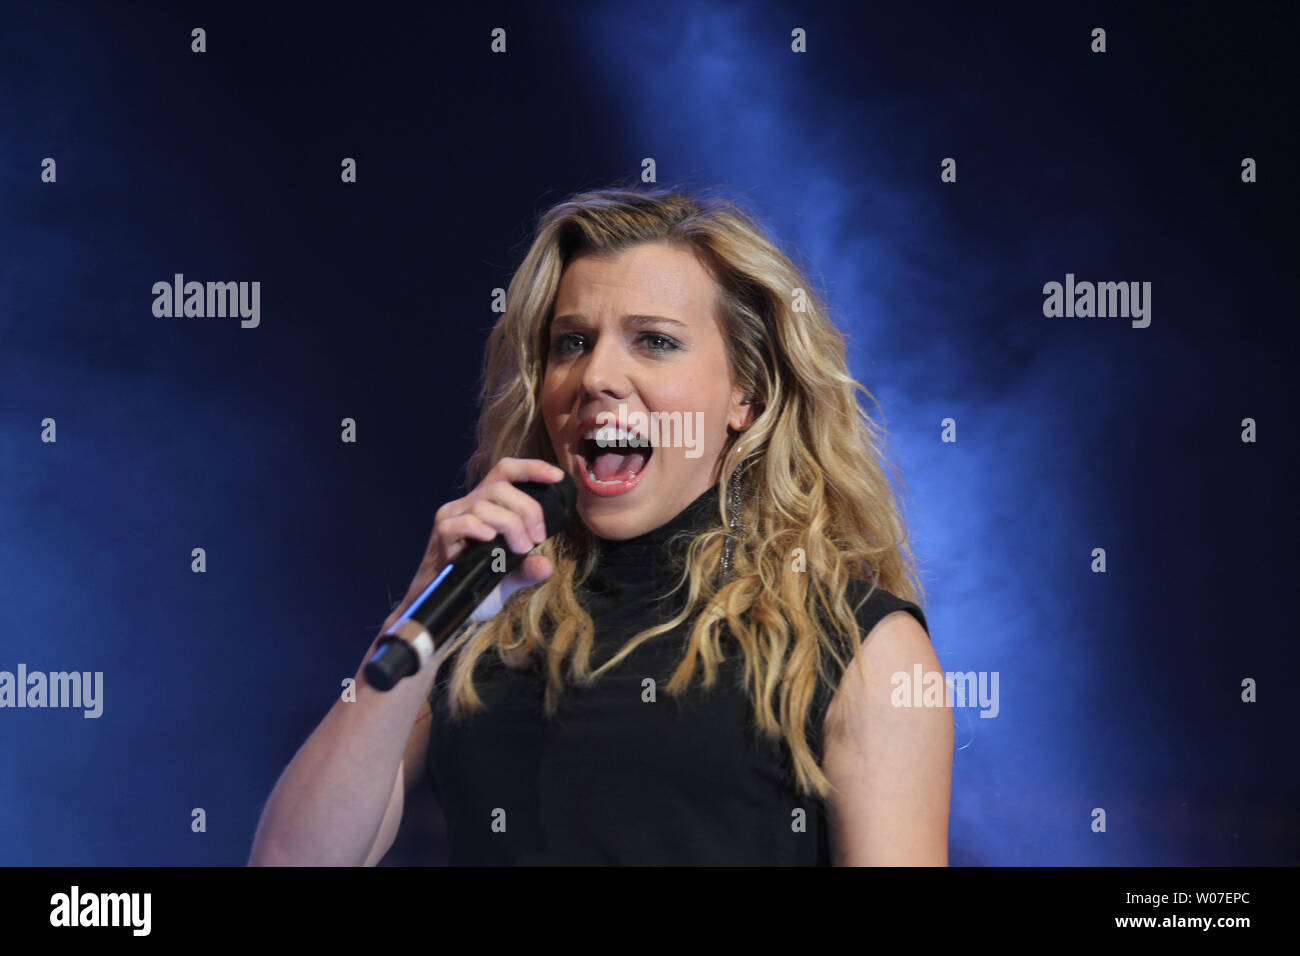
x=737, y=529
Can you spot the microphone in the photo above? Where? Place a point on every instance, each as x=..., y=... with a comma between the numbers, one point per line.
x=459, y=589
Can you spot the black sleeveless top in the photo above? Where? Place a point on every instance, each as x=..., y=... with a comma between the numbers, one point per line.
x=617, y=779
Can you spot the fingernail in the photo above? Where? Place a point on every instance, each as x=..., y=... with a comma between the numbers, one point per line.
x=539, y=532
x=557, y=471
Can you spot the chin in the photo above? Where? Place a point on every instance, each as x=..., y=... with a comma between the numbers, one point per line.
x=609, y=524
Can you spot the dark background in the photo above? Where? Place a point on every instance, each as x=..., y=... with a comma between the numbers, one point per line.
x=1118, y=690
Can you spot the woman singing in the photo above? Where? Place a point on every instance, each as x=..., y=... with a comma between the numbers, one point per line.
x=699, y=669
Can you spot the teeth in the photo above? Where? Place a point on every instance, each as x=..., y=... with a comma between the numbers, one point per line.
x=610, y=436
x=619, y=481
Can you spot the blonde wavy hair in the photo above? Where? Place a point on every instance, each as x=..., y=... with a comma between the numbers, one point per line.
x=810, y=459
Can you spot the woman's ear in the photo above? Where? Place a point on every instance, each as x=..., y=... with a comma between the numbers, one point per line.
x=742, y=411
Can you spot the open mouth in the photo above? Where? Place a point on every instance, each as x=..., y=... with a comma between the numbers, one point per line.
x=614, y=465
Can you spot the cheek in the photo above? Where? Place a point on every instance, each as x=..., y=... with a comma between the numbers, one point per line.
x=553, y=431
x=550, y=398
x=708, y=409
x=556, y=406
x=557, y=389
x=696, y=443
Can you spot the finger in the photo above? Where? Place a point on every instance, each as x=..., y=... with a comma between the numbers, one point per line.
x=535, y=569
x=507, y=522
x=521, y=503
x=457, y=530
x=516, y=470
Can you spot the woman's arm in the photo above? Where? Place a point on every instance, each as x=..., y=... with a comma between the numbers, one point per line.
x=339, y=800
x=410, y=774
x=891, y=766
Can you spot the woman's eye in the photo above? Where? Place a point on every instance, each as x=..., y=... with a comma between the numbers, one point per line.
x=559, y=343
x=656, y=342
x=668, y=344
x=570, y=341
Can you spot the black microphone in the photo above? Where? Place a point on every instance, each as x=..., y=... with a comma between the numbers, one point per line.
x=458, y=589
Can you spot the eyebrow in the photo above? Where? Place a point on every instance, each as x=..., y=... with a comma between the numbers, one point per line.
x=635, y=320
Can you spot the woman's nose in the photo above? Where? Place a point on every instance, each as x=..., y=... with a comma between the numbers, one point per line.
x=605, y=373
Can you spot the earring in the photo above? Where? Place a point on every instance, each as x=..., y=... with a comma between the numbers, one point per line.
x=733, y=523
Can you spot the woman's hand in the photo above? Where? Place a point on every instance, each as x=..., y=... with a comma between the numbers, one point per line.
x=495, y=506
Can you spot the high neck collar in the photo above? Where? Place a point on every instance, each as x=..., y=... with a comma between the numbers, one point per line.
x=654, y=549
